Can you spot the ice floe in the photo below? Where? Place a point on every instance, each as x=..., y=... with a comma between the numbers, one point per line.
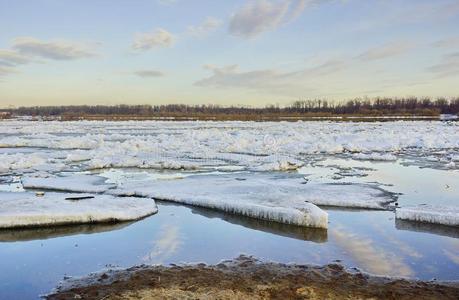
x=237, y=195
x=269, y=197
x=25, y=209
x=72, y=183
x=444, y=215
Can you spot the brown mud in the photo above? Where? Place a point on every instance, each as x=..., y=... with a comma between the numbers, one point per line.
x=247, y=278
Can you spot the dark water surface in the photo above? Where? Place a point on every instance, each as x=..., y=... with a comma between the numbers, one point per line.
x=32, y=262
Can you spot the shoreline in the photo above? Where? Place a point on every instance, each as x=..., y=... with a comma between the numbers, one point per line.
x=246, y=277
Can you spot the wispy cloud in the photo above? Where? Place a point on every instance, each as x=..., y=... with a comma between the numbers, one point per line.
x=386, y=51
x=436, y=11
x=208, y=26
x=257, y=17
x=166, y=2
x=299, y=6
x=148, y=73
x=25, y=50
x=286, y=83
x=4, y=71
x=11, y=58
x=55, y=50
x=451, y=42
x=448, y=66
x=159, y=38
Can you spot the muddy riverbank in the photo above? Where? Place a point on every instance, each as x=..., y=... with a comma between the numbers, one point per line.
x=246, y=277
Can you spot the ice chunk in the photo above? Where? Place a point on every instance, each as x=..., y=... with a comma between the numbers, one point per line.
x=280, y=164
x=375, y=156
x=444, y=215
x=27, y=210
x=78, y=156
x=73, y=183
x=20, y=161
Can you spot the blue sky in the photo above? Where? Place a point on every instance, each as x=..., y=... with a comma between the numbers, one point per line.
x=250, y=52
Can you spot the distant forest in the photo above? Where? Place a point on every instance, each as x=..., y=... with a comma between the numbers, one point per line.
x=315, y=107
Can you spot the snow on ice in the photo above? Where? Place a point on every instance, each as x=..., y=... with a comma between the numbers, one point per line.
x=444, y=215
x=233, y=199
x=73, y=183
x=21, y=161
x=271, y=197
x=26, y=209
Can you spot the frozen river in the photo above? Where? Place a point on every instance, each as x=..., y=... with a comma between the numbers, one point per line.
x=301, y=192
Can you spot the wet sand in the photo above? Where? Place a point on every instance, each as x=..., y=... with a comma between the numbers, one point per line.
x=248, y=278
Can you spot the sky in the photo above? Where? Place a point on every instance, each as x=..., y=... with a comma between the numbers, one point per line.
x=239, y=52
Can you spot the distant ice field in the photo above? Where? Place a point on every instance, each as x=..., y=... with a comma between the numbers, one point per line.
x=252, y=145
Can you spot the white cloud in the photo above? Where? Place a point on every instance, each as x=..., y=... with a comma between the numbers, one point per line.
x=55, y=50
x=148, y=73
x=385, y=51
x=257, y=17
x=159, y=38
x=208, y=26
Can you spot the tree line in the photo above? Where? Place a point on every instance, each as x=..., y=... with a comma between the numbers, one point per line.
x=359, y=106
